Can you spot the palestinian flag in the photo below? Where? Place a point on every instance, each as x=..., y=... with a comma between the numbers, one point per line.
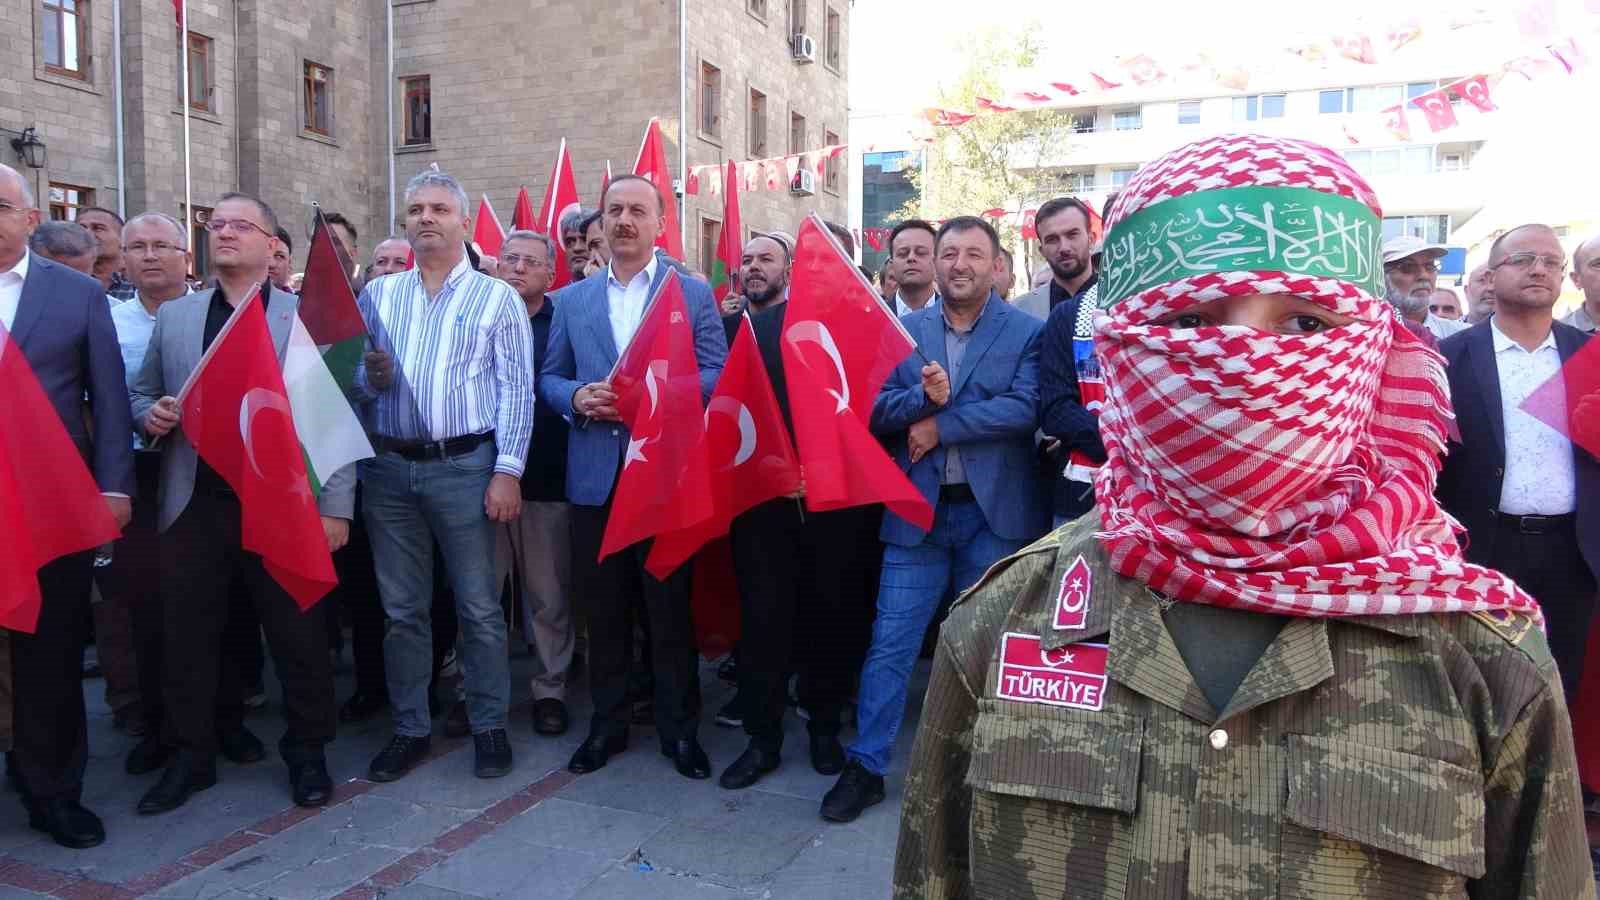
x=328, y=306
x=331, y=437
x=725, y=270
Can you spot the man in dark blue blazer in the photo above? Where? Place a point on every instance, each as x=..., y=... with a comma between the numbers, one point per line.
x=1529, y=497
x=593, y=323
x=961, y=415
x=62, y=323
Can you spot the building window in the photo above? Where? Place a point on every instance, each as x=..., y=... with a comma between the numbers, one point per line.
x=1453, y=162
x=758, y=8
x=797, y=16
x=1388, y=161
x=1433, y=229
x=710, y=100
x=710, y=232
x=66, y=37
x=1333, y=102
x=1076, y=182
x=1258, y=106
x=416, y=120
x=1417, y=88
x=1127, y=120
x=830, y=168
x=833, y=46
x=67, y=199
x=1119, y=177
x=1188, y=112
x=1083, y=124
x=318, y=99
x=797, y=133
x=757, y=126
x=197, y=240
x=200, y=74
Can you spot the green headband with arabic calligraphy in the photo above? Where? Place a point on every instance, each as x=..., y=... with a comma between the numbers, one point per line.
x=1298, y=231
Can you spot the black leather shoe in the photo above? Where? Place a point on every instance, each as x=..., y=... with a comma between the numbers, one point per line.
x=130, y=720
x=184, y=776
x=362, y=706
x=309, y=783
x=456, y=724
x=855, y=790
x=147, y=756
x=596, y=751
x=492, y=753
x=68, y=823
x=688, y=758
x=399, y=757
x=550, y=716
x=753, y=763
x=827, y=754
x=238, y=745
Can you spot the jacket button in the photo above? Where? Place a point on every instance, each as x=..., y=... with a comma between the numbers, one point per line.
x=1499, y=473
x=1219, y=739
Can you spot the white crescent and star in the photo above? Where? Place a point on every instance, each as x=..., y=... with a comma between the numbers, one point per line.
x=812, y=331
x=255, y=400
x=655, y=372
x=746, y=422
x=1074, y=589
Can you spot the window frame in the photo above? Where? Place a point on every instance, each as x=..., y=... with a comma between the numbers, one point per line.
x=753, y=150
x=1199, y=108
x=714, y=133
x=833, y=40
x=797, y=146
x=199, y=248
x=1126, y=172
x=831, y=167
x=797, y=22
x=409, y=86
x=205, y=100
x=68, y=207
x=308, y=123
x=757, y=10
x=1138, y=115
x=710, y=236
x=81, y=15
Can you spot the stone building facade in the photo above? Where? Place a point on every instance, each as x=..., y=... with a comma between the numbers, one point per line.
x=289, y=100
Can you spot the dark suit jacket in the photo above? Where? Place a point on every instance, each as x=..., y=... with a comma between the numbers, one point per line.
x=63, y=326
x=1062, y=414
x=1474, y=469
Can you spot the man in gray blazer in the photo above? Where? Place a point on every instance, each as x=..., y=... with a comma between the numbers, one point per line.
x=59, y=320
x=203, y=562
x=593, y=323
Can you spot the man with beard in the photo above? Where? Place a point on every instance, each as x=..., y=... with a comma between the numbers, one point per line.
x=763, y=276
x=911, y=250
x=1067, y=244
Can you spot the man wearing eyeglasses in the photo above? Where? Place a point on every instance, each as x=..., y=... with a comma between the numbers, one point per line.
x=59, y=320
x=1586, y=276
x=1411, y=266
x=203, y=566
x=1529, y=497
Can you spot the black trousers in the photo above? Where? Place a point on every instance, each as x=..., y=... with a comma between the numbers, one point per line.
x=835, y=624
x=1550, y=567
x=202, y=560
x=609, y=590
x=357, y=594
x=133, y=581
x=50, y=745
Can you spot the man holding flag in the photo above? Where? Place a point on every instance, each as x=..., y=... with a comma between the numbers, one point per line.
x=235, y=509
x=595, y=322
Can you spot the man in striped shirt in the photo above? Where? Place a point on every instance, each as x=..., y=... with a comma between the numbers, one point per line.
x=448, y=389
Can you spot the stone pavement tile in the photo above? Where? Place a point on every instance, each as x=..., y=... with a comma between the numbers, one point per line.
x=626, y=882
x=875, y=833
x=740, y=840
x=449, y=781
x=565, y=825
x=819, y=873
x=417, y=891
x=502, y=866
x=329, y=875
x=386, y=822
x=316, y=857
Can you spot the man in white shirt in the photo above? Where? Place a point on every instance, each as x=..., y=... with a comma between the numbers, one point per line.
x=1586, y=275
x=911, y=250
x=1529, y=498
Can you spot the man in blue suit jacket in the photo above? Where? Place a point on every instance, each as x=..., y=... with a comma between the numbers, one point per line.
x=61, y=322
x=966, y=440
x=593, y=323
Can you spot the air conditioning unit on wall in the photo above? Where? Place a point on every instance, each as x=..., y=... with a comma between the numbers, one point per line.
x=804, y=183
x=804, y=47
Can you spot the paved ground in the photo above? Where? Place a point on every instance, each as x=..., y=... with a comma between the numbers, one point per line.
x=633, y=830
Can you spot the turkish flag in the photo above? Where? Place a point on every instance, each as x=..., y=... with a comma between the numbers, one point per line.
x=522, y=214
x=1034, y=97
x=946, y=118
x=1104, y=84
x=1475, y=90
x=50, y=505
x=1394, y=119
x=745, y=447
x=984, y=103
x=1030, y=231
x=560, y=198
x=691, y=187
x=1570, y=401
x=486, y=230
x=236, y=414
x=663, y=486
x=839, y=345
x=652, y=164
x=729, y=250
x=1065, y=87
x=1435, y=105
x=1356, y=48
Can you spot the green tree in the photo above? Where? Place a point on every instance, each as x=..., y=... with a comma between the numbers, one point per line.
x=997, y=160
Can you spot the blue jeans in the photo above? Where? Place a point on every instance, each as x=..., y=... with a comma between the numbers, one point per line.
x=408, y=506
x=951, y=558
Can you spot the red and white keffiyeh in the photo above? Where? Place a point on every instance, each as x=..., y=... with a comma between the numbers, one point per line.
x=1290, y=474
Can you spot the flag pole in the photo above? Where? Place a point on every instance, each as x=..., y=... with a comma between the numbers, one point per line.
x=183, y=49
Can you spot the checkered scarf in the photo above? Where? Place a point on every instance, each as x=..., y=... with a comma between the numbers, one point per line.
x=1290, y=474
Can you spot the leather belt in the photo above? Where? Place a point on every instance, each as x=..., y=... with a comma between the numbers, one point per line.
x=1536, y=524
x=426, y=450
x=957, y=493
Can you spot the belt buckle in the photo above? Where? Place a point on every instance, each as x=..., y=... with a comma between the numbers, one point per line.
x=1533, y=524
x=439, y=446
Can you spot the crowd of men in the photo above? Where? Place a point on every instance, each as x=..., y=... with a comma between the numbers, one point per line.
x=498, y=444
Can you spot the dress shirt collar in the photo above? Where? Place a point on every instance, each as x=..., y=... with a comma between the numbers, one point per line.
x=901, y=304
x=1503, y=343
x=944, y=316
x=649, y=272
x=21, y=268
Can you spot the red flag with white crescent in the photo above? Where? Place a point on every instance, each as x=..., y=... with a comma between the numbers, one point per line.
x=487, y=232
x=1435, y=106
x=560, y=198
x=652, y=164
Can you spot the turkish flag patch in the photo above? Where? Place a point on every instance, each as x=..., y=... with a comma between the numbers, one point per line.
x=1072, y=599
x=1073, y=676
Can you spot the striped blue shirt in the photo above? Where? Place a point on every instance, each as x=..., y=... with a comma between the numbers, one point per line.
x=463, y=361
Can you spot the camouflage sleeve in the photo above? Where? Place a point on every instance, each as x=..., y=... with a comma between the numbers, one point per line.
x=1534, y=832
x=931, y=862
